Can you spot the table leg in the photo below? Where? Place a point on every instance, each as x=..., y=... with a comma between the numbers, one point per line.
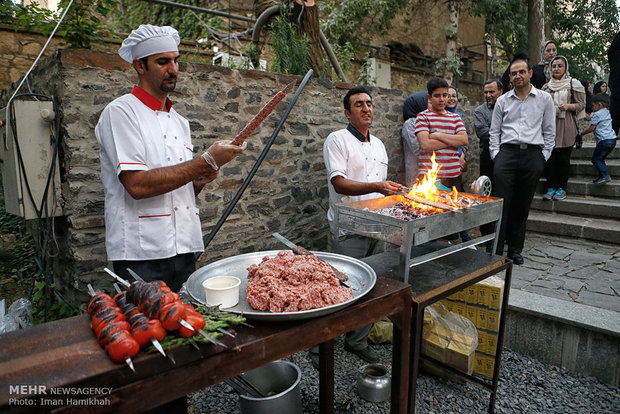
x=326, y=377
x=400, y=357
x=416, y=332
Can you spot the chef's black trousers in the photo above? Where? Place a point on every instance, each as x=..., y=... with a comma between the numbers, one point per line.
x=174, y=271
x=516, y=172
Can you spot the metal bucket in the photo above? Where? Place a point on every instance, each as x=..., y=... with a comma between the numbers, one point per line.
x=279, y=381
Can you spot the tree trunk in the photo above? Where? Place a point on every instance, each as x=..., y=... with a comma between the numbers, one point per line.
x=309, y=24
x=535, y=28
x=493, y=40
x=451, y=36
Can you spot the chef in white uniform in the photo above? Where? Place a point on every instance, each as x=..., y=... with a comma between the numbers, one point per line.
x=148, y=168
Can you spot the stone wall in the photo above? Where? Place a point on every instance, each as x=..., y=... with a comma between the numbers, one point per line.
x=288, y=194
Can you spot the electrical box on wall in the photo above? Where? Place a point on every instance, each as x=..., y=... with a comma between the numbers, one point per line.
x=27, y=163
x=380, y=73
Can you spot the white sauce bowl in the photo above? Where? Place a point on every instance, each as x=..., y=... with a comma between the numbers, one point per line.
x=222, y=290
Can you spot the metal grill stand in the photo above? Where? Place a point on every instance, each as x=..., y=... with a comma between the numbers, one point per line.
x=360, y=217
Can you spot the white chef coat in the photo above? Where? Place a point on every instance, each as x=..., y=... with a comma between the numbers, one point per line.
x=134, y=135
x=347, y=156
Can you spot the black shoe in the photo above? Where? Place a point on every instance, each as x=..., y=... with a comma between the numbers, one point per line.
x=516, y=259
x=367, y=354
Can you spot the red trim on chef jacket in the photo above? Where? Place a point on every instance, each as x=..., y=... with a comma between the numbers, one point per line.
x=149, y=100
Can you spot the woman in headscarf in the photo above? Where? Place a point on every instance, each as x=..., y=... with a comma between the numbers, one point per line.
x=599, y=87
x=587, y=85
x=569, y=99
x=542, y=71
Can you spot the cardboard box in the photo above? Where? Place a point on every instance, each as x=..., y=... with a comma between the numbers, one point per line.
x=460, y=308
x=481, y=318
x=461, y=356
x=496, y=291
x=470, y=295
x=493, y=320
x=491, y=341
x=482, y=341
x=484, y=365
x=482, y=294
x=471, y=313
x=434, y=346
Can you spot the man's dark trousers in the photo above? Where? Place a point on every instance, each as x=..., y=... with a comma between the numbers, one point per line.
x=515, y=174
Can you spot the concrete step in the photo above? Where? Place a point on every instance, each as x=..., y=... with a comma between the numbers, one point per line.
x=585, y=168
x=579, y=205
x=584, y=187
x=586, y=151
x=591, y=228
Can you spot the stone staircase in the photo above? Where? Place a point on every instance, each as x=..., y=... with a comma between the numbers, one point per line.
x=590, y=211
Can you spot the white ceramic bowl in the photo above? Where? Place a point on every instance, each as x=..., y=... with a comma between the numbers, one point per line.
x=222, y=290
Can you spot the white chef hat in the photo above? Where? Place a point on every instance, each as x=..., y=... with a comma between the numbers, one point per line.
x=148, y=40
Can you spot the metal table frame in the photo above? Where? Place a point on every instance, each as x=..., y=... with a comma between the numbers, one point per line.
x=359, y=218
x=434, y=281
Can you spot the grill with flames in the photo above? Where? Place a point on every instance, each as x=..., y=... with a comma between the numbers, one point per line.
x=424, y=214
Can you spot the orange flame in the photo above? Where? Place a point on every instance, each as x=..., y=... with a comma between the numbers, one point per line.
x=426, y=188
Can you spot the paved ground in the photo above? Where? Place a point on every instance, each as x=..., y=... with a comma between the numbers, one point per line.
x=580, y=271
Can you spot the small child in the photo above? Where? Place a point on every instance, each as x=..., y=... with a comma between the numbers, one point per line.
x=605, y=135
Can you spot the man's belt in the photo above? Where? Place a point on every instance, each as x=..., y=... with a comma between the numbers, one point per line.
x=520, y=146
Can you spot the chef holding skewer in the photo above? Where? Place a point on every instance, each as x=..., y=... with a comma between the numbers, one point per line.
x=148, y=167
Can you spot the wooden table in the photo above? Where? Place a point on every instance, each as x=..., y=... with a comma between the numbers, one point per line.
x=436, y=280
x=65, y=354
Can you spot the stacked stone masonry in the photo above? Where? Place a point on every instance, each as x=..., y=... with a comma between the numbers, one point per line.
x=288, y=194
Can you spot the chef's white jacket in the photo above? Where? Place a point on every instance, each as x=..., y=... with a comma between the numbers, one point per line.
x=134, y=135
x=347, y=156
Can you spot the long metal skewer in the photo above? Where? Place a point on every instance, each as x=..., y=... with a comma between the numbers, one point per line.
x=181, y=321
x=140, y=279
x=154, y=341
x=128, y=360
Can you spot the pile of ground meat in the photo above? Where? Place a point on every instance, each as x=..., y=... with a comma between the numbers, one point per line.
x=291, y=283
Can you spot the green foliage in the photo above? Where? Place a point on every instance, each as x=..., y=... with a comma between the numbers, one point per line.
x=82, y=25
x=47, y=305
x=508, y=20
x=190, y=25
x=291, y=48
x=452, y=63
x=84, y=22
x=584, y=29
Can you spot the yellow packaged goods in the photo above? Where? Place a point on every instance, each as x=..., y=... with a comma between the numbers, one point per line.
x=460, y=308
x=471, y=313
x=460, y=356
x=482, y=294
x=496, y=290
x=483, y=365
x=481, y=318
x=493, y=320
x=448, y=304
x=491, y=341
x=482, y=341
x=470, y=294
x=434, y=346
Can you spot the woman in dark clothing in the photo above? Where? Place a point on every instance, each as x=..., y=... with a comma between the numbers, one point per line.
x=542, y=71
x=599, y=87
x=587, y=85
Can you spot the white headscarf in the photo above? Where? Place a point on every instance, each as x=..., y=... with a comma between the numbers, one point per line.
x=561, y=88
x=148, y=40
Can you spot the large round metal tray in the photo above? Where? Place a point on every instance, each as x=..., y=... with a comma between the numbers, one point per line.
x=361, y=278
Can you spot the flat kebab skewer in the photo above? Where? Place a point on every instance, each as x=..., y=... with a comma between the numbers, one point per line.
x=182, y=322
x=430, y=203
x=139, y=279
x=153, y=340
x=128, y=360
x=262, y=115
